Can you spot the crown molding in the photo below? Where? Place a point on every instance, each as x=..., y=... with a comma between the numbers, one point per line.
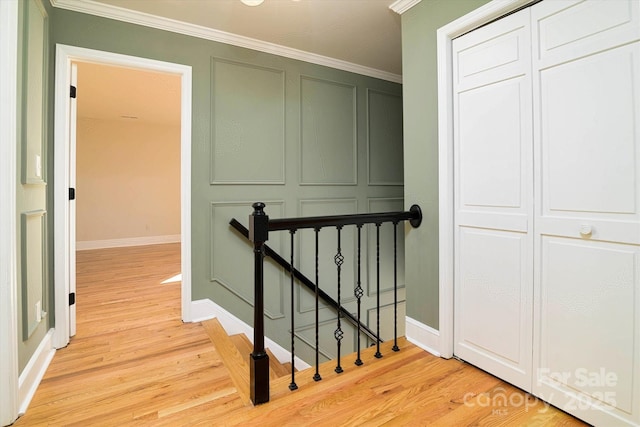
x=140, y=18
x=401, y=6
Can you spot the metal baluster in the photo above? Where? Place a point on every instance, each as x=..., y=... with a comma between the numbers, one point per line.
x=317, y=376
x=293, y=385
x=358, y=293
x=378, y=355
x=339, y=260
x=395, y=287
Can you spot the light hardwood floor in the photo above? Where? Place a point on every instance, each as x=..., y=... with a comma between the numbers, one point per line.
x=133, y=362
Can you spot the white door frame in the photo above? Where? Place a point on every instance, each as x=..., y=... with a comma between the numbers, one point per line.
x=64, y=56
x=445, y=35
x=8, y=213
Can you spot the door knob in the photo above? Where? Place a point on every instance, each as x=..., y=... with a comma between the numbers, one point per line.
x=586, y=230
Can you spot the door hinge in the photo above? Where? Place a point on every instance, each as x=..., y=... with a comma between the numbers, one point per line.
x=72, y=194
x=72, y=298
x=73, y=91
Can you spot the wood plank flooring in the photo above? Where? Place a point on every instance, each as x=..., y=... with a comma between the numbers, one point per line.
x=133, y=362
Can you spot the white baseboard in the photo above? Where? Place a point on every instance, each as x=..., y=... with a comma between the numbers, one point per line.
x=423, y=336
x=129, y=241
x=34, y=371
x=203, y=309
x=206, y=309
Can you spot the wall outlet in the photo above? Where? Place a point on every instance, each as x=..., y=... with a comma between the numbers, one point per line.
x=38, y=311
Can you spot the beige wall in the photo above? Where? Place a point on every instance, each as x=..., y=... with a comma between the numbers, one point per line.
x=128, y=179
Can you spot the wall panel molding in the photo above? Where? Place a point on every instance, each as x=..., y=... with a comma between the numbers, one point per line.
x=231, y=255
x=328, y=132
x=33, y=78
x=384, y=138
x=247, y=105
x=34, y=272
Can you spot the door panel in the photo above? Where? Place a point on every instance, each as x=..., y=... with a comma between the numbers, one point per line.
x=493, y=210
x=487, y=179
x=586, y=89
x=493, y=265
x=588, y=128
x=586, y=319
x=569, y=29
x=491, y=54
x=547, y=204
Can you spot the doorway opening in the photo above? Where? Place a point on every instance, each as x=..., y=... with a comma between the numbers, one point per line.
x=151, y=228
x=127, y=184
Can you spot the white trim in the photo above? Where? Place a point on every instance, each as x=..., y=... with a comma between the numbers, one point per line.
x=206, y=309
x=8, y=162
x=445, y=35
x=203, y=309
x=401, y=6
x=423, y=336
x=64, y=56
x=34, y=371
x=140, y=18
x=129, y=241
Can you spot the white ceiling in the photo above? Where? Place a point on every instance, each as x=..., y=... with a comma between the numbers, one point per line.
x=362, y=32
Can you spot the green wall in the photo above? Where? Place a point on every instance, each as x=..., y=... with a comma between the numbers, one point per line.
x=305, y=139
x=420, y=97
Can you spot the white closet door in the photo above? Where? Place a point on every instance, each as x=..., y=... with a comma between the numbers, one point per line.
x=493, y=199
x=587, y=227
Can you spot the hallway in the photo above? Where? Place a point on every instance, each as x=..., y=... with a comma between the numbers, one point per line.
x=133, y=362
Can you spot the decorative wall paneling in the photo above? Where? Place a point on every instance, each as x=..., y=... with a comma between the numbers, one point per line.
x=31, y=191
x=34, y=277
x=301, y=140
x=384, y=138
x=328, y=133
x=228, y=252
x=34, y=75
x=247, y=122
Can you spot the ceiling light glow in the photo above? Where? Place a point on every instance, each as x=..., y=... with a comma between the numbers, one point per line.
x=252, y=2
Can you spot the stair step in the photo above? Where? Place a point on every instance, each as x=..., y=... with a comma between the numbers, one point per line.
x=231, y=358
x=245, y=347
x=277, y=369
x=234, y=352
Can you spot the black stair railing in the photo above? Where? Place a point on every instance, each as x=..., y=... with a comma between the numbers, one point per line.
x=259, y=228
x=322, y=295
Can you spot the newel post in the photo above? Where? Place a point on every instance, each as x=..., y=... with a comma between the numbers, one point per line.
x=259, y=234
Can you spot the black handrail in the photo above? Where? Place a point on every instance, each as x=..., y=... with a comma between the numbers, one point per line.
x=259, y=227
x=268, y=251
x=413, y=215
